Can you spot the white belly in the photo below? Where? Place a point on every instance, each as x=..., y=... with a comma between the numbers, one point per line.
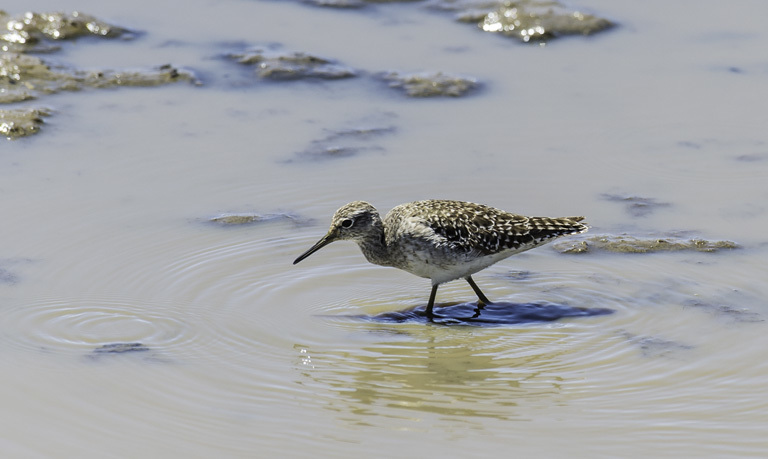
x=442, y=269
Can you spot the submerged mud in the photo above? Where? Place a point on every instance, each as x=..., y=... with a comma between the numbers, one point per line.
x=117, y=350
x=637, y=206
x=358, y=137
x=237, y=219
x=120, y=348
x=654, y=346
x=724, y=311
x=344, y=143
x=7, y=277
x=337, y=3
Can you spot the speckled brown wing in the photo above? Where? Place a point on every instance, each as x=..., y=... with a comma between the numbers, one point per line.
x=486, y=230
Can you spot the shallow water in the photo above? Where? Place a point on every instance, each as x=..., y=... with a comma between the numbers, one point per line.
x=106, y=240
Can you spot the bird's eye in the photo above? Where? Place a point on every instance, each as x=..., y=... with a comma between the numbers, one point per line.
x=347, y=223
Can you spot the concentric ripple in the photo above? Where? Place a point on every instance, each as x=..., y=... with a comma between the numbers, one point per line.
x=82, y=325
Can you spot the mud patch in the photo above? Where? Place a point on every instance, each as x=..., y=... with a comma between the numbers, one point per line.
x=524, y=20
x=34, y=32
x=430, y=84
x=272, y=63
x=624, y=243
x=24, y=77
x=21, y=122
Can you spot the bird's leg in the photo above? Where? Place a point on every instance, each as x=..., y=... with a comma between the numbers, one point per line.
x=477, y=290
x=431, y=303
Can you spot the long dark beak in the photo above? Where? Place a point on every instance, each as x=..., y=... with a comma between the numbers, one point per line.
x=327, y=239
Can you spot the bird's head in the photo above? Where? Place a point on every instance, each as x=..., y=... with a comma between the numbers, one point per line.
x=354, y=221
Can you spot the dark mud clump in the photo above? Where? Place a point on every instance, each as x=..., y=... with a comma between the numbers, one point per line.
x=274, y=64
x=337, y=3
x=637, y=206
x=751, y=157
x=352, y=3
x=426, y=84
x=630, y=244
x=7, y=277
x=21, y=122
x=120, y=348
x=116, y=350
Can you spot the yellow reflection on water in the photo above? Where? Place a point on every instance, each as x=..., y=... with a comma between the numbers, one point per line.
x=451, y=372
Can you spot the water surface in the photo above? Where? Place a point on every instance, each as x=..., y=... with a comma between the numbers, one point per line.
x=106, y=240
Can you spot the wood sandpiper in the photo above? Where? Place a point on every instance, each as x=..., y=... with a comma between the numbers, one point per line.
x=442, y=240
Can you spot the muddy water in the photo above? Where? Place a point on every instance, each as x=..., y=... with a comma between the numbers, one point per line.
x=106, y=240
